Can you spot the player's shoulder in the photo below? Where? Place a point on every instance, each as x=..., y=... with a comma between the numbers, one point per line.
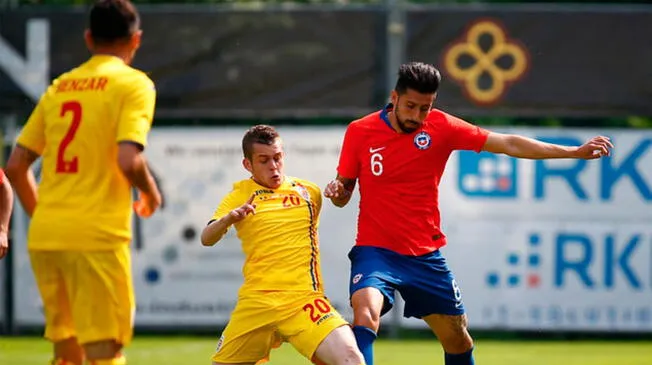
x=243, y=187
x=306, y=188
x=364, y=123
x=139, y=75
x=371, y=118
x=133, y=78
x=440, y=117
x=56, y=83
x=305, y=183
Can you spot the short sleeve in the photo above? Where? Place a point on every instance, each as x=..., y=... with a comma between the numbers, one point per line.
x=315, y=196
x=137, y=111
x=231, y=201
x=466, y=136
x=349, y=165
x=32, y=136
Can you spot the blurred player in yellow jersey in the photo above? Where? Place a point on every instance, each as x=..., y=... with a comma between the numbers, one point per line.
x=90, y=127
x=6, y=205
x=282, y=298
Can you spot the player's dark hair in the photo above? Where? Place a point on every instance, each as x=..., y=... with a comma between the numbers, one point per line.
x=418, y=76
x=263, y=134
x=112, y=21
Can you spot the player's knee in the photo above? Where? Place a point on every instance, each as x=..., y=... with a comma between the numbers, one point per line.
x=366, y=316
x=367, y=304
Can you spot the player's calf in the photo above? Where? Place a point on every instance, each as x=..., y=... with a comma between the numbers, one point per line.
x=367, y=305
x=451, y=330
x=67, y=352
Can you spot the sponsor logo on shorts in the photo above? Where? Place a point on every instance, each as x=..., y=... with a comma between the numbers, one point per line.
x=356, y=278
x=324, y=318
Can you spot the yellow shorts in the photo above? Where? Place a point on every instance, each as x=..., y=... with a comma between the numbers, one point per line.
x=261, y=322
x=86, y=294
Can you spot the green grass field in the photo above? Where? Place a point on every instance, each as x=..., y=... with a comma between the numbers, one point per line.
x=197, y=350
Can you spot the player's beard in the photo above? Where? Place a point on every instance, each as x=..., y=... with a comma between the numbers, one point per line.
x=403, y=126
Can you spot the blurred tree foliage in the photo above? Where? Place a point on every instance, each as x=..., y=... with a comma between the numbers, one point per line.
x=629, y=122
x=82, y=2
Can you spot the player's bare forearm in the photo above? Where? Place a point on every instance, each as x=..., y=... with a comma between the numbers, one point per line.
x=215, y=230
x=6, y=203
x=524, y=147
x=134, y=167
x=22, y=178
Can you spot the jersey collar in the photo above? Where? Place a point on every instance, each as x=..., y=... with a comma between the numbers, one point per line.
x=384, y=115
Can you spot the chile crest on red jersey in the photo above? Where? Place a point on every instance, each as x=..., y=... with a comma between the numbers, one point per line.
x=422, y=140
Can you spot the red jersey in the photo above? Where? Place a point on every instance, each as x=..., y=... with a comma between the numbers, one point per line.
x=399, y=177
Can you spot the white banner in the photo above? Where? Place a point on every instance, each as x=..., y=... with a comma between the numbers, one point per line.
x=28, y=308
x=555, y=244
x=561, y=244
x=178, y=280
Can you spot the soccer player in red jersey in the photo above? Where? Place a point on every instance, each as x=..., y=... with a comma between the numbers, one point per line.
x=398, y=154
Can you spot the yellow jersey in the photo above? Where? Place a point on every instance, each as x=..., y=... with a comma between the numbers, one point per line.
x=280, y=242
x=84, y=200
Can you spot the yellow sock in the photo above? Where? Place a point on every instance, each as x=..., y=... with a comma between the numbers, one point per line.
x=115, y=361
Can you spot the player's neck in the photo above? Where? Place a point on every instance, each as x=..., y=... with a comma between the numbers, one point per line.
x=124, y=55
x=393, y=121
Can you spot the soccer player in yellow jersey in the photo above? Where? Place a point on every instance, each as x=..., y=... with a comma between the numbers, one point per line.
x=282, y=298
x=90, y=128
x=6, y=204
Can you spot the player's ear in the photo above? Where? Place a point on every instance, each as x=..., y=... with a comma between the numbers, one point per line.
x=135, y=39
x=394, y=97
x=247, y=164
x=88, y=39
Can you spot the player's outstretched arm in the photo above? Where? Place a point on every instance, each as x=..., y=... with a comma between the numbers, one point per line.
x=524, y=147
x=134, y=167
x=22, y=178
x=216, y=229
x=339, y=191
x=6, y=204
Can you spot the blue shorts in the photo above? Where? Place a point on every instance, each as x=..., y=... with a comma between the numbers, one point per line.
x=425, y=282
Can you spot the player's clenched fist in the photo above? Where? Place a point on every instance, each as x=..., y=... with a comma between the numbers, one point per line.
x=596, y=147
x=147, y=204
x=241, y=212
x=335, y=189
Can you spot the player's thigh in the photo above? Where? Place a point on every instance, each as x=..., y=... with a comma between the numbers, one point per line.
x=338, y=347
x=250, y=334
x=102, y=295
x=48, y=272
x=429, y=287
x=309, y=320
x=371, y=267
